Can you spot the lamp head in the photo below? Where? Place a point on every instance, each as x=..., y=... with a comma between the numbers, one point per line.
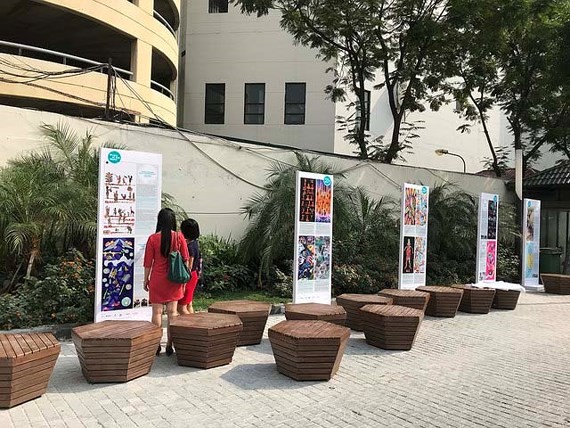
x=441, y=152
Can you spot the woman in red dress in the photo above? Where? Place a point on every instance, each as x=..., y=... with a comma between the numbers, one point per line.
x=161, y=290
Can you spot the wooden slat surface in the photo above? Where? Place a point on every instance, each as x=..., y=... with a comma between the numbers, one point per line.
x=240, y=306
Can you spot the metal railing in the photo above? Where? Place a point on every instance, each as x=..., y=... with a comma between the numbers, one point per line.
x=64, y=58
x=164, y=22
x=162, y=89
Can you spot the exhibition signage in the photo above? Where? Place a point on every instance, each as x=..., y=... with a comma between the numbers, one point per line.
x=487, y=238
x=313, y=238
x=531, y=242
x=129, y=200
x=413, y=236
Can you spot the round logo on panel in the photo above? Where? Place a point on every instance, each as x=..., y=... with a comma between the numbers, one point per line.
x=424, y=190
x=114, y=157
x=327, y=181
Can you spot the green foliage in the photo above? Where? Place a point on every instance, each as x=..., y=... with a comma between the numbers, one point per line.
x=223, y=269
x=507, y=265
x=269, y=235
x=64, y=295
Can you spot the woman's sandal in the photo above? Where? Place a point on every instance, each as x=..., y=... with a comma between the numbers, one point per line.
x=169, y=350
x=158, y=350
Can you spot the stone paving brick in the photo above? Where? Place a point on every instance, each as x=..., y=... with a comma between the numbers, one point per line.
x=504, y=369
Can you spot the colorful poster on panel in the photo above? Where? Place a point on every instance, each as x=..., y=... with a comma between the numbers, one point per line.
x=487, y=231
x=531, y=243
x=129, y=198
x=313, y=238
x=413, y=236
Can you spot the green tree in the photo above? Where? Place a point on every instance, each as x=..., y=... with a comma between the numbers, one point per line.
x=48, y=198
x=512, y=55
x=396, y=38
x=269, y=235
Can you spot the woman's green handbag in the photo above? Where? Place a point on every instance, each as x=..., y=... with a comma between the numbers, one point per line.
x=177, y=269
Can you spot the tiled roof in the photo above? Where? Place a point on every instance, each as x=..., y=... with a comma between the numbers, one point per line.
x=556, y=176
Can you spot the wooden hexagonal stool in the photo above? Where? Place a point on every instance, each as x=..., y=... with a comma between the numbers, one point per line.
x=352, y=304
x=308, y=349
x=316, y=311
x=390, y=326
x=116, y=351
x=443, y=301
x=26, y=364
x=205, y=339
x=476, y=300
x=409, y=298
x=253, y=315
x=506, y=299
x=555, y=283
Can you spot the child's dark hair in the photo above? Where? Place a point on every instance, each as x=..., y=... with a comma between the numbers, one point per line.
x=190, y=229
x=165, y=224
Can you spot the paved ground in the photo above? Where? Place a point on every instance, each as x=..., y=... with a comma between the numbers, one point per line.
x=505, y=369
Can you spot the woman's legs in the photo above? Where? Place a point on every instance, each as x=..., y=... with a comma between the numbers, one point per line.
x=157, y=314
x=183, y=309
x=172, y=313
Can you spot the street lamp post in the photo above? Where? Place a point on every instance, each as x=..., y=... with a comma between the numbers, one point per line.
x=441, y=152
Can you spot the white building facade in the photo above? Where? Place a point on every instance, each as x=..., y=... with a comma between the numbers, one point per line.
x=243, y=77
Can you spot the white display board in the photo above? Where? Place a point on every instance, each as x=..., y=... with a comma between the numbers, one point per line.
x=413, y=236
x=487, y=232
x=130, y=185
x=531, y=243
x=312, y=266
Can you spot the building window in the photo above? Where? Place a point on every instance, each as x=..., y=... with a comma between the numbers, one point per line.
x=295, y=97
x=254, y=104
x=218, y=6
x=366, y=111
x=215, y=103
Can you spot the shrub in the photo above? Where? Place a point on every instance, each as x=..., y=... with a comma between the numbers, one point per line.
x=222, y=266
x=65, y=294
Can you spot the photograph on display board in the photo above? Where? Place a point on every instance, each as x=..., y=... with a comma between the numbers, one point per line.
x=531, y=260
x=421, y=208
x=529, y=232
x=410, y=206
x=492, y=220
x=118, y=274
x=419, y=255
x=408, y=258
x=306, y=261
x=490, y=261
x=323, y=257
x=120, y=204
x=307, y=202
x=323, y=208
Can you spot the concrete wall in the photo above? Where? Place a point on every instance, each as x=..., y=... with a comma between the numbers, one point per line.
x=213, y=190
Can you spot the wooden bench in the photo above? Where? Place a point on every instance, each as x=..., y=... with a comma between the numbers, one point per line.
x=308, y=349
x=390, y=326
x=253, y=315
x=205, y=339
x=116, y=351
x=443, y=301
x=26, y=364
x=409, y=298
x=316, y=311
x=555, y=283
x=352, y=304
x=506, y=299
x=476, y=300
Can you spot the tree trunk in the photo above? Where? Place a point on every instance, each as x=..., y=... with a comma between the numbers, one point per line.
x=33, y=255
x=495, y=165
x=395, y=143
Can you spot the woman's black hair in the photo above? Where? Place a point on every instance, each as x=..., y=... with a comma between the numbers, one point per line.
x=165, y=224
x=190, y=229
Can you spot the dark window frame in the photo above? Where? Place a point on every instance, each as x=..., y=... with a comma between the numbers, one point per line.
x=218, y=6
x=287, y=116
x=246, y=104
x=209, y=119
